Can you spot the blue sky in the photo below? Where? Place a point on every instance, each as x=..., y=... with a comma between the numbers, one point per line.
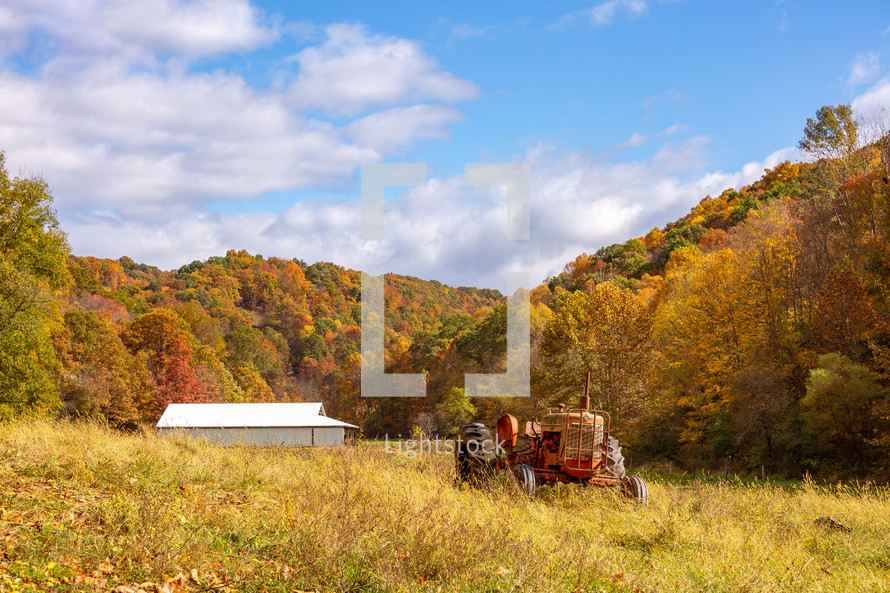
x=171, y=130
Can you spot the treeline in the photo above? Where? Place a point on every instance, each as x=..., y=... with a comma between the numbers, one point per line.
x=753, y=330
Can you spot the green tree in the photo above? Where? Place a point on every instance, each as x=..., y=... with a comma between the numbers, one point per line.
x=832, y=134
x=249, y=347
x=842, y=410
x=453, y=410
x=486, y=342
x=30, y=236
x=33, y=252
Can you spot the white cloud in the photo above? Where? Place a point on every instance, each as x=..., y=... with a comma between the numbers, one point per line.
x=638, y=139
x=864, y=69
x=672, y=97
x=674, y=129
x=872, y=100
x=11, y=39
x=872, y=111
x=396, y=128
x=160, y=138
x=444, y=230
x=635, y=139
x=353, y=71
x=604, y=14
x=115, y=131
x=204, y=27
x=137, y=30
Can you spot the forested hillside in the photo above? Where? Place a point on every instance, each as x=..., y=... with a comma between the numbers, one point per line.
x=754, y=329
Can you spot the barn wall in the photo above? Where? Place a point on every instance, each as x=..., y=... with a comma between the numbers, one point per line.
x=263, y=437
x=328, y=436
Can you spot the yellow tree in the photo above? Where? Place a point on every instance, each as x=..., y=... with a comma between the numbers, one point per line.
x=605, y=333
x=767, y=257
x=728, y=324
x=703, y=330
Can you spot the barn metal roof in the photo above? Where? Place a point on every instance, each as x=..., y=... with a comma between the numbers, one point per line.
x=302, y=415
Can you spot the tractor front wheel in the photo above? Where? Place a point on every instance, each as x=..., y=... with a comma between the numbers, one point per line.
x=635, y=488
x=526, y=478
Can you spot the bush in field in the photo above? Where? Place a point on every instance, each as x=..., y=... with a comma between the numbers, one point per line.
x=840, y=409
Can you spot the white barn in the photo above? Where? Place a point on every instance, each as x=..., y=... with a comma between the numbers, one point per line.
x=262, y=425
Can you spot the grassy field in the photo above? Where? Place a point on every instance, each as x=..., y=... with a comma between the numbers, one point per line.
x=87, y=509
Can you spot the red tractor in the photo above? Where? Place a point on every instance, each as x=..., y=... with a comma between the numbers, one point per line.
x=558, y=445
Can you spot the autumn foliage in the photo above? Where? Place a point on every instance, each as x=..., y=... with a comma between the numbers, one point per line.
x=752, y=331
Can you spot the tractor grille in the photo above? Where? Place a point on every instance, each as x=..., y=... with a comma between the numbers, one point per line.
x=584, y=441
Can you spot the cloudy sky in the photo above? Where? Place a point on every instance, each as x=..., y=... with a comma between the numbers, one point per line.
x=173, y=130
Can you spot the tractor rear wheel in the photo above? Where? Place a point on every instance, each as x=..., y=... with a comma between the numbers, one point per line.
x=526, y=478
x=635, y=488
x=475, y=453
x=615, y=459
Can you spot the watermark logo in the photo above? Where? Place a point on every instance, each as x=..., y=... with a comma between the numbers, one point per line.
x=424, y=445
x=516, y=381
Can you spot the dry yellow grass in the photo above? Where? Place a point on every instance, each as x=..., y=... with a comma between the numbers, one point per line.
x=360, y=519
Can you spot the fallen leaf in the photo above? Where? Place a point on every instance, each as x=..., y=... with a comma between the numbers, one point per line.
x=105, y=567
x=174, y=585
